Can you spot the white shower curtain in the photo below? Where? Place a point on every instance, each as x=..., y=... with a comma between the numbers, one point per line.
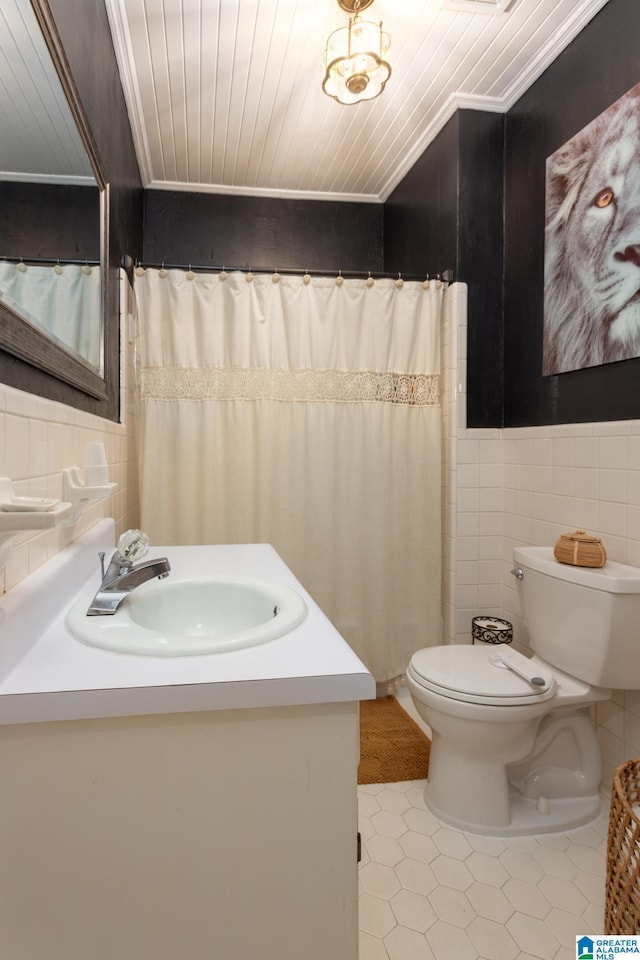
x=304, y=413
x=64, y=300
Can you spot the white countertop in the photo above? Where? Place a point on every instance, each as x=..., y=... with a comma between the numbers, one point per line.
x=46, y=675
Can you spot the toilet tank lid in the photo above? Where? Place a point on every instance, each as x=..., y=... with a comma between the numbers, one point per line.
x=612, y=578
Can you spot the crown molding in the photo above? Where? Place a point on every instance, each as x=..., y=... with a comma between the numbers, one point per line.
x=223, y=188
x=550, y=51
x=59, y=179
x=457, y=101
x=463, y=101
x=123, y=49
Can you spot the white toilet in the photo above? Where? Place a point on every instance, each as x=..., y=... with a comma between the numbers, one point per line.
x=514, y=749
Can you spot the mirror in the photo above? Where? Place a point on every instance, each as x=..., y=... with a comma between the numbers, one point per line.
x=54, y=203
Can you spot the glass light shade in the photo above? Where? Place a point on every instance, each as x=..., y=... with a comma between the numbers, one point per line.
x=354, y=60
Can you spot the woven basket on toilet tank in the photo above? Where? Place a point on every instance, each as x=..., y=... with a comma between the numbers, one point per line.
x=580, y=550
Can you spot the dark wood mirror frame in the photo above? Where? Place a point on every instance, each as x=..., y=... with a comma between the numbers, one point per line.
x=31, y=361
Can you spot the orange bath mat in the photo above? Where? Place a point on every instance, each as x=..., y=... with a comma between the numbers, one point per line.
x=392, y=745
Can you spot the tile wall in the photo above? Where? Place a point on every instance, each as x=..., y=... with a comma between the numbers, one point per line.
x=39, y=438
x=511, y=487
x=582, y=476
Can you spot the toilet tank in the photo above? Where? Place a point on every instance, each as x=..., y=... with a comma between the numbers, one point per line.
x=584, y=621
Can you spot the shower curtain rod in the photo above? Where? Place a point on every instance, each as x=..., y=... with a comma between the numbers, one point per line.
x=446, y=275
x=51, y=261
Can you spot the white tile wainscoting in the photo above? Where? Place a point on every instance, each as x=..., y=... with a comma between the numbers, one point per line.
x=39, y=438
x=554, y=479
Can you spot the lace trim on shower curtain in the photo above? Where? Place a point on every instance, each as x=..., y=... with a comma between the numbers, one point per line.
x=338, y=386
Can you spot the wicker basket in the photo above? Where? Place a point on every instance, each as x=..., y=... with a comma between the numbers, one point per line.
x=622, y=892
x=580, y=550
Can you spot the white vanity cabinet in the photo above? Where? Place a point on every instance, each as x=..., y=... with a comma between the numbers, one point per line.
x=225, y=835
x=200, y=808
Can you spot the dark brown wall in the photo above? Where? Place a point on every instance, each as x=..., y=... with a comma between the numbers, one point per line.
x=481, y=169
x=262, y=233
x=600, y=65
x=421, y=215
x=480, y=259
x=86, y=36
x=448, y=211
x=36, y=221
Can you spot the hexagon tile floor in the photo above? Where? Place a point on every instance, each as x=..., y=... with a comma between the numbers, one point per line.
x=431, y=892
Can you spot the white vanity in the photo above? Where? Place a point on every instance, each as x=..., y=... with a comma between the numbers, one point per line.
x=200, y=807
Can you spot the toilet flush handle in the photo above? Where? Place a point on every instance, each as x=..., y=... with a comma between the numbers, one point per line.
x=518, y=573
x=503, y=659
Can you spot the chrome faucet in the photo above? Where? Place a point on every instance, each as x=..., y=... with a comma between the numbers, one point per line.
x=122, y=575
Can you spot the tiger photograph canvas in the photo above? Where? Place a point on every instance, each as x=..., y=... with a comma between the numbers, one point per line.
x=592, y=243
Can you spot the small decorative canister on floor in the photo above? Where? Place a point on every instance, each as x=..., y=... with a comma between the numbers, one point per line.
x=622, y=892
x=491, y=630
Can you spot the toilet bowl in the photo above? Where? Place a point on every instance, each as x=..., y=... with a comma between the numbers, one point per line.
x=514, y=749
x=484, y=719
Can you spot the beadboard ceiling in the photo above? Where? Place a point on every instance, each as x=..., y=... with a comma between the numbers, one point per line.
x=225, y=95
x=39, y=141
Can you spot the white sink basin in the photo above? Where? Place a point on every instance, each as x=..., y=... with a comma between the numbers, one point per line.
x=187, y=616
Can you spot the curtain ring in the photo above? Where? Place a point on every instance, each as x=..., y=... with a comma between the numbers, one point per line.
x=249, y=276
x=369, y=282
x=22, y=267
x=307, y=277
x=223, y=274
x=339, y=279
x=57, y=268
x=139, y=270
x=276, y=278
x=190, y=275
x=162, y=272
x=399, y=282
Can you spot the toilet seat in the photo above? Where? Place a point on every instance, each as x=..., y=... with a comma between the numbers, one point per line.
x=466, y=672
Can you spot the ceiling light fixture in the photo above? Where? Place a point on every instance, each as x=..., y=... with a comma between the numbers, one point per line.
x=354, y=57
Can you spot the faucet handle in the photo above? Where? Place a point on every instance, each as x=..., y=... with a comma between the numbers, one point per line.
x=133, y=545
